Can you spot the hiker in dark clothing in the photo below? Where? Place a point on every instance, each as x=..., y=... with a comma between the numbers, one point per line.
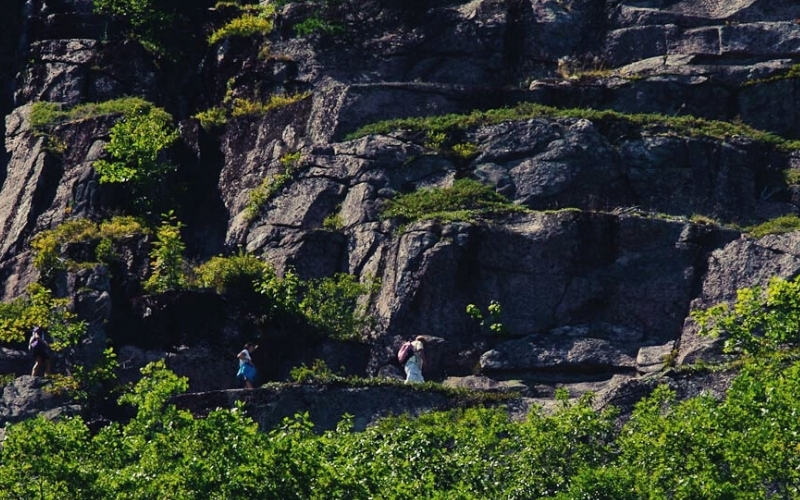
x=40, y=349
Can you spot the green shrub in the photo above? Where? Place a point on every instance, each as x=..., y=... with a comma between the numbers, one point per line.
x=466, y=150
x=136, y=143
x=316, y=24
x=44, y=114
x=333, y=222
x=792, y=176
x=249, y=107
x=224, y=274
x=147, y=24
x=167, y=263
x=318, y=372
x=435, y=140
x=47, y=245
x=282, y=293
x=39, y=307
x=236, y=107
x=740, y=445
x=47, y=255
x=253, y=20
x=761, y=321
x=123, y=226
x=465, y=200
x=213, y=118
x=784, y=224
x=332, y=305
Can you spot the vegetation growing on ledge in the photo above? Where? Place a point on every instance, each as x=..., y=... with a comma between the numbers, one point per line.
x=47, y=245
x=238, y=107
x=465, y=200
x=689, y=126
x=270, y=186
x=253, y=20
x=791, y=73
x=45, y=114
x=784, y=224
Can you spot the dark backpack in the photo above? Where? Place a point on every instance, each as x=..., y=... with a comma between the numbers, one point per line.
x=36, y=347
x=405, y=352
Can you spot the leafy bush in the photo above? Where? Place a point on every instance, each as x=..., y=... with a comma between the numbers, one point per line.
x=213, y=118
x=253, y=20
x=224, y=274
x=282, y=293
x=465, y=150
x=167, y=262
x=122, y=226
x=39, y=307
x=465, y=200
x=135, y=148
x=318, y=372
x=248, y=107
x=147, y=23
x=330, y=305
x=761, y=320
x=333, y=222
x=47, y=245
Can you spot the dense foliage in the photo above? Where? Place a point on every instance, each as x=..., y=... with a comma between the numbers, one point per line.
x=135, y=150
x=761, y=321
x=743, y=446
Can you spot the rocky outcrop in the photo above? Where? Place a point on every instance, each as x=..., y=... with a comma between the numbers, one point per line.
x=596, y=279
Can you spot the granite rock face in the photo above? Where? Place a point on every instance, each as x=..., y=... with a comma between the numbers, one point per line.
x=596, y=279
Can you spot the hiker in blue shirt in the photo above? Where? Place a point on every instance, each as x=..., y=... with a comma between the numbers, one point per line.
x=247, y=370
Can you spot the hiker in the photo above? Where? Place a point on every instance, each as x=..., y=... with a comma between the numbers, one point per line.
x=415, y=363
x=247, y=370
x=38, y=346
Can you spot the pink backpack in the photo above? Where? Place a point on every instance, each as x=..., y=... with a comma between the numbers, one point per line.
x=405, y=352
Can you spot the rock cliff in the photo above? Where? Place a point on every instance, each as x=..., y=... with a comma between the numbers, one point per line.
x=634, y=213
